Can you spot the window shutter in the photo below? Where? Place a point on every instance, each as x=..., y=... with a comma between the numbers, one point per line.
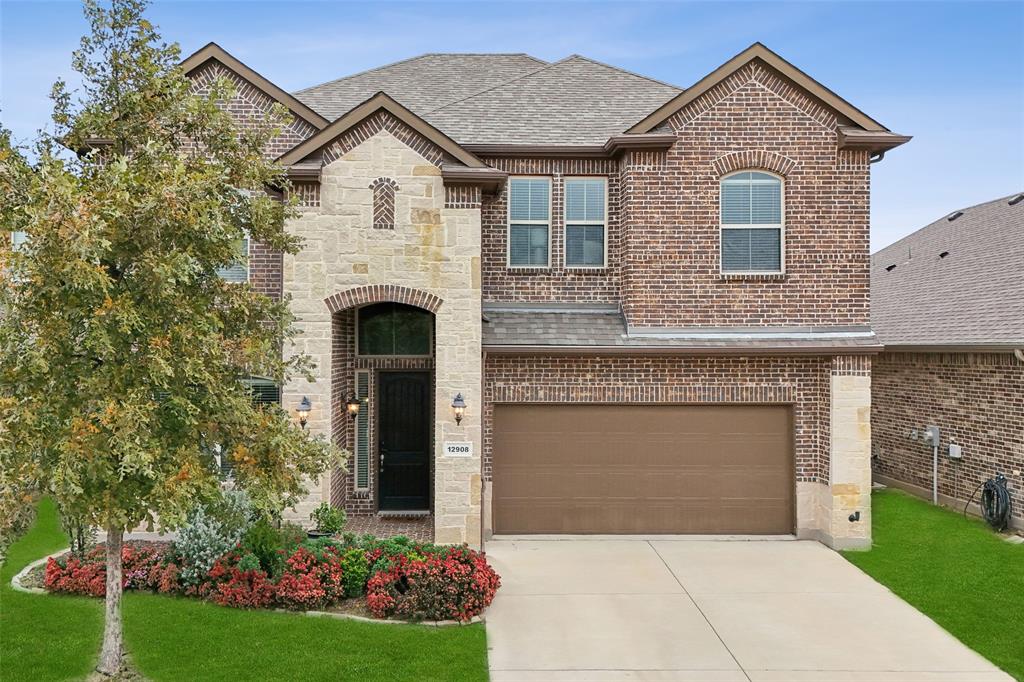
x=363, y=431
x=528, y=245
x=735, y=200
x=766, y=203
x=528, y=199
x=765, y=249
x=265, y=392
x=18, y=238
x=584, y=200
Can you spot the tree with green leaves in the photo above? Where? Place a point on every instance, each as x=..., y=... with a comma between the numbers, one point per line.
x=123, y=355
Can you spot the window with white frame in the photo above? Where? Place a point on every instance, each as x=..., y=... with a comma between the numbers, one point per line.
x=529, y=222
x=585, y=222
x=751, y=204
x=237, y=272
x=18, y=238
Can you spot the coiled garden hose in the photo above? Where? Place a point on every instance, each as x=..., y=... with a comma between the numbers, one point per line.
x=995, y=502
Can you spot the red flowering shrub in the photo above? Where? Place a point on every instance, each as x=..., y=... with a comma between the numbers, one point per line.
x=72, y=575
x=455, y=584
x=144, y=566
x=243, y=588
x=311, y=579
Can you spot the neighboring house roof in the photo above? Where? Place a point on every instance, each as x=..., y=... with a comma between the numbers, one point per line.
x=576, y=101
x=958, y=282
x=538, y=328
x=423, y=83
x=213, y=51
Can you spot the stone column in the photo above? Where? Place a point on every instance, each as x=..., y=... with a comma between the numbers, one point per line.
x=849, y=486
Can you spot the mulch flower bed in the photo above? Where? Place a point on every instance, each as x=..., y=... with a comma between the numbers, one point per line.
x=387, y=579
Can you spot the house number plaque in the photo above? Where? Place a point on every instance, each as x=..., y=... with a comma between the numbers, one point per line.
x=453, y=449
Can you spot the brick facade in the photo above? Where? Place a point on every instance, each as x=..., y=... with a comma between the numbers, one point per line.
x=976, y=400
x=556, y=283
x=670, y=263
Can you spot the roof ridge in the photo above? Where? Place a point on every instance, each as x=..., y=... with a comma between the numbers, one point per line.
x=940, y=218
x=547, y=65
x=414, y=58
x=622, y=70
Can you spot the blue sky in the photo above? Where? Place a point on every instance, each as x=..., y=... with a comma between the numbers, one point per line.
x=949, y=73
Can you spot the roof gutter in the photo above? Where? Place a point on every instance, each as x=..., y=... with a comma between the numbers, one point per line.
x=818, y=349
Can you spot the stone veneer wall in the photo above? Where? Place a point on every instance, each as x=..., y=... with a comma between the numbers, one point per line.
x=432, y=250
x=976, y=400
x=830, y=399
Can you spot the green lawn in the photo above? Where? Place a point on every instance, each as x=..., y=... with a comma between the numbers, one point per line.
x=955, y=570
x=47, y=637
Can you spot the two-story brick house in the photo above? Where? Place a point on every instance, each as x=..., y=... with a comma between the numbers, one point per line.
x=652, y=302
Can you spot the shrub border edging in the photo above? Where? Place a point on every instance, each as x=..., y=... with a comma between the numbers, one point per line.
x=16, y=584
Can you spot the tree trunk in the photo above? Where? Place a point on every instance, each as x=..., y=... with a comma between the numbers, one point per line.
x=110, y=656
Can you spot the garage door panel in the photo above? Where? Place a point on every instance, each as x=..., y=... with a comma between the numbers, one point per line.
x=642, y=469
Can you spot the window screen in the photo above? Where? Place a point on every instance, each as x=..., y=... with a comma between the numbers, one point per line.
x=584, y=222
x=529, y=212
x=751, y=215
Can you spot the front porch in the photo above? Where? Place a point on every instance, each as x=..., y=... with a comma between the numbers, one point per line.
x=419, y=529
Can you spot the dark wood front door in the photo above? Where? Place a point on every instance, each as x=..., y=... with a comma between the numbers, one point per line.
x=404, y=437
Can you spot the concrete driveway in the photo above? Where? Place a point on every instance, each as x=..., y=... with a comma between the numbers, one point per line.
x=714, y=611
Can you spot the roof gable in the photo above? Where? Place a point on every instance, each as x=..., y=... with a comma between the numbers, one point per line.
x=213, y=51
x=757, y=51
x=379, y=102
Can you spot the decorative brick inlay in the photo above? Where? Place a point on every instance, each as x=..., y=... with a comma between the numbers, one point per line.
x=754, y=158
x=851, y=365
x=461, y=196
x=308, y=194
x=384, y=190
x=381, y=293
x=557, y=282
x=802, y=382
x=250, y=107
x=373, y=124
x=976, y=400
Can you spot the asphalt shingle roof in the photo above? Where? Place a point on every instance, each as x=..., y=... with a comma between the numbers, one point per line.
x=508, y=328
x=576, y=101
x=503, y=98
x=972, y=296
x=422, y=83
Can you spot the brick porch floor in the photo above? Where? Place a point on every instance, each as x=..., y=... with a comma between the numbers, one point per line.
x=420, y=529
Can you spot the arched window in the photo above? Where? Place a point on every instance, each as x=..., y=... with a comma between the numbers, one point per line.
x=394, y=329
x=384, y=190
x=752, y=219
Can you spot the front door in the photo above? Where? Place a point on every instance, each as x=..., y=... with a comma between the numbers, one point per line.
x=405, y=443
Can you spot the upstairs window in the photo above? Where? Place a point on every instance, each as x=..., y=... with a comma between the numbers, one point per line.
x=751, y=205
x=238, y=272
x=529, y=222
x=585, y=222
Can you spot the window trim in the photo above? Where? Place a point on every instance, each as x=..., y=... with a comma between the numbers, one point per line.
x=508, y=222
x=565, y=223
x=355, y=326
x=780, y=226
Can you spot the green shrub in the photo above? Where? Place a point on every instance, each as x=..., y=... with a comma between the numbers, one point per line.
x=270, y=545
x=355, y=571
x=328, y=519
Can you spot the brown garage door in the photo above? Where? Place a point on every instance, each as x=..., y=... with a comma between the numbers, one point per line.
x=643, y=469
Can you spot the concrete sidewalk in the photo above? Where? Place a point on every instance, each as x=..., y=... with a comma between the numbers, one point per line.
x=714, y=611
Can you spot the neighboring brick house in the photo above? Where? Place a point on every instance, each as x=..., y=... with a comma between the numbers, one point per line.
x=653, y=302
x=948, y=303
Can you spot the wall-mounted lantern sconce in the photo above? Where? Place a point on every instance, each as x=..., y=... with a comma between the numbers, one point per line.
x=352, y=405
x=459, y=408
x=304, y=407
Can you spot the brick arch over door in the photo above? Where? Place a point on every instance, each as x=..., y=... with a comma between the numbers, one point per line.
x=382, y=293
x=753, y=159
